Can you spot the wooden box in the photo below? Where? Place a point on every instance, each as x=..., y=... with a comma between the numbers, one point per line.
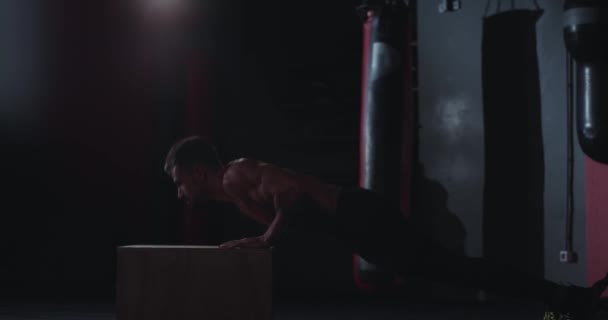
x=193, y=282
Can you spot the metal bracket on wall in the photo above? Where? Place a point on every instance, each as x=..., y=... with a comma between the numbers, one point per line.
x=379, y=3
x=449, y=6
x=384, y=3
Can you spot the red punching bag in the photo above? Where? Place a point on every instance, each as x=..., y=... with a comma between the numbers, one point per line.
x=386, y=118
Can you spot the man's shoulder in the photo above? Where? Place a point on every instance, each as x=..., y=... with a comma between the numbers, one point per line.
x=240, y=172
x=242, y=164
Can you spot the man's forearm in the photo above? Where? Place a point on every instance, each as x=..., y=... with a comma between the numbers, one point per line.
x=277, y=228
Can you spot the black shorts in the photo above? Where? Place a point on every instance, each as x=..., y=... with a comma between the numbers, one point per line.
x=375, y=229
x=364, y=223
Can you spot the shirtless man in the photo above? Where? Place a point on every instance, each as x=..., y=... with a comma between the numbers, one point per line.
x=359, y=218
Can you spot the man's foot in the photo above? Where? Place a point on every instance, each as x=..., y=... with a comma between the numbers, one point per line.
x=553, y=315
x=578, y=303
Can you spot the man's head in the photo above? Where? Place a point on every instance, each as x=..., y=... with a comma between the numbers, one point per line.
x=193, y=164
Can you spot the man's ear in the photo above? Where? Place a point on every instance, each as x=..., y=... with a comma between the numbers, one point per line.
x=198, y=172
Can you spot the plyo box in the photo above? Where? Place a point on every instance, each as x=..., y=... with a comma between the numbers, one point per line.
x=193, y=282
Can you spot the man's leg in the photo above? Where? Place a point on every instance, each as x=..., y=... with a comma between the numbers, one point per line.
x=402, y=247
x=381, y=235
x=438, y=263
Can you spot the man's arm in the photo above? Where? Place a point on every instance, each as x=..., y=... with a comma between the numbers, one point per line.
x=242, y=177
x=283, y=201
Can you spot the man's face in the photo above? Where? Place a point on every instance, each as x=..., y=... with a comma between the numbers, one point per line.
x=190, y=183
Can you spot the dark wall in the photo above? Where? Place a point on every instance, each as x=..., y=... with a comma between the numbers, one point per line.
x=83, y=175
x=93, y=94
x=455, y=132
x=289, y=94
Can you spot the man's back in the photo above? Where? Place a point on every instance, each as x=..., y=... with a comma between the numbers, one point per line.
x=252, y=183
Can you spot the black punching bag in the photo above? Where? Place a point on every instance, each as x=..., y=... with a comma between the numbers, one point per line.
x=585, y=32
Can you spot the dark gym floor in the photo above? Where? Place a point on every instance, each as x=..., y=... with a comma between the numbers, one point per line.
x=300, y=310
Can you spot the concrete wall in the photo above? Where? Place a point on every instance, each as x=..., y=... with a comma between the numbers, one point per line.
x=452, y=127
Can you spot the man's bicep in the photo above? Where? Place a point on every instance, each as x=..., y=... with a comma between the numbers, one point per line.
x=285, y=199
x=254, y=210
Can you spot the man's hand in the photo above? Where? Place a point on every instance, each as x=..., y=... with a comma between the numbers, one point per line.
x=276, y=228
x=253, y=242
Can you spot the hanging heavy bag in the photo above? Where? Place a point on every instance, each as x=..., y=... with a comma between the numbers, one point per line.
x=514, y=153
x=585, y=30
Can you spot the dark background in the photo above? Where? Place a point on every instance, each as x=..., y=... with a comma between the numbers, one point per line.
x=113, y=84
x=93, y=94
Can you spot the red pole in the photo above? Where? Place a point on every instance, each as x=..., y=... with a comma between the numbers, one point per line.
x=596, y=184
x=196, y=225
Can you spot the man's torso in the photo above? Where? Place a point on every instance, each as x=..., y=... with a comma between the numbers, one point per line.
x=260, y=182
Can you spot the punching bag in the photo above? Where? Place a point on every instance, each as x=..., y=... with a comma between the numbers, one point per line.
x=513, y=190
x=585, y=29
x=585, y=26
x=382, y=112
